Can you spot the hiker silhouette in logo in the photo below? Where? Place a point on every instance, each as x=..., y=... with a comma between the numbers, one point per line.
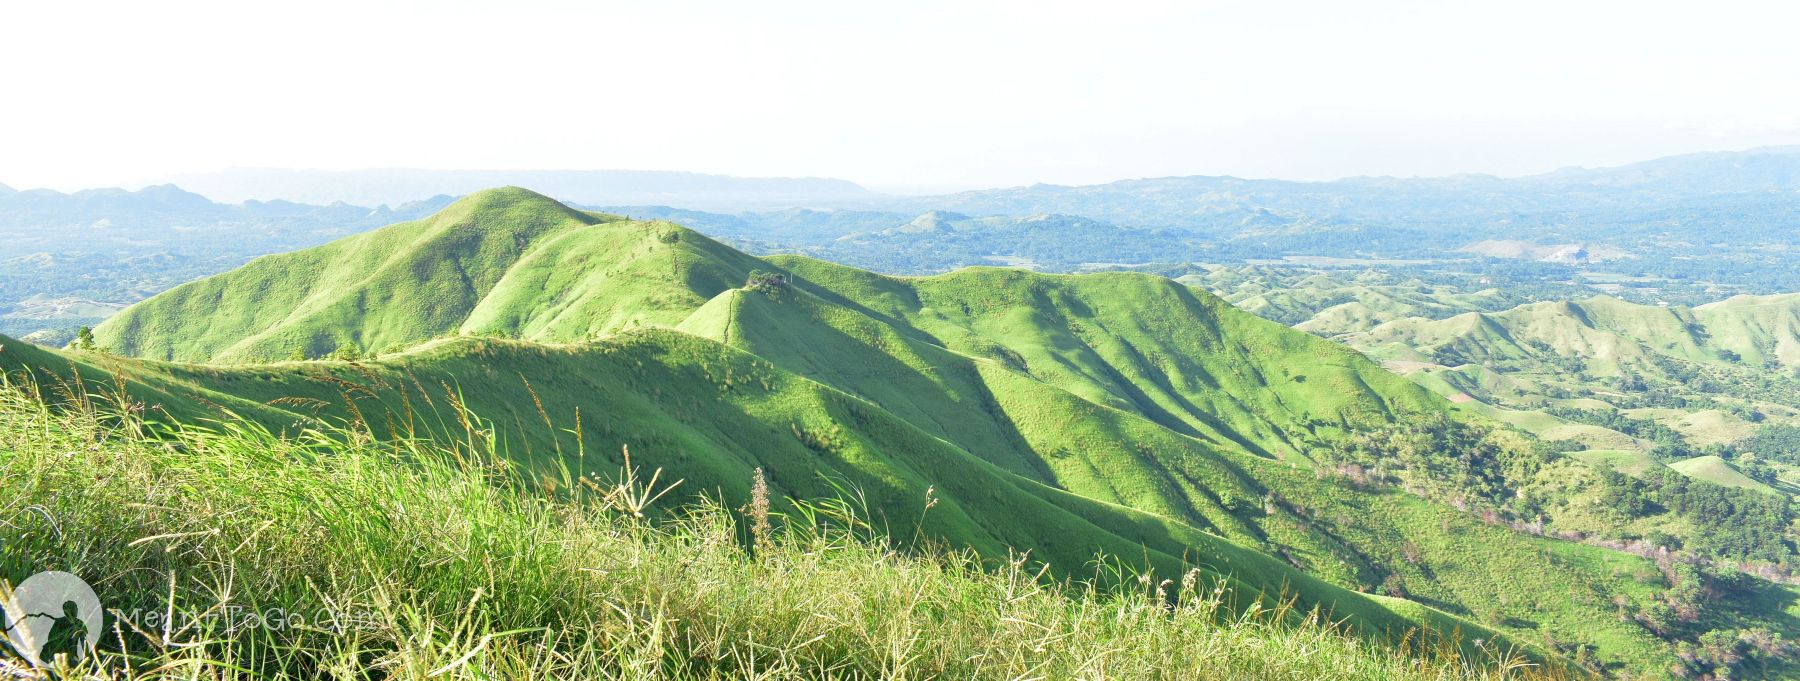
x=63, y=633
x=57, y=613
x=67, y=634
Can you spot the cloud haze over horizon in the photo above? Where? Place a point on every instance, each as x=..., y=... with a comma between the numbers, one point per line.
x=934, y=96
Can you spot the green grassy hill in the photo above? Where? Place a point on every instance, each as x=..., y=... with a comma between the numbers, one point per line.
x=504, y=261
x=1760, y=329
x=1708, y=373
x=432, y=561
x=1334, y=301
x=1139, y=343
x=1609, y=333
x=1065, y=416
x=710, y=415
x=1183, y=359
x=1609, y=337
x=1717, y=471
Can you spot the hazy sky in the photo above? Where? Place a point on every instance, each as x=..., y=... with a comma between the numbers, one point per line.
x=915, y=95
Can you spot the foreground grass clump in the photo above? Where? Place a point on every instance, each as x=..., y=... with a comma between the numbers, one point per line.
x=232, y=553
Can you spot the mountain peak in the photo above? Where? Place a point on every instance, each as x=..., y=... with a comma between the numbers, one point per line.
x=504, y=196
x=169, y=193
x=495, y=261
x=932, y=221
x=512, y=206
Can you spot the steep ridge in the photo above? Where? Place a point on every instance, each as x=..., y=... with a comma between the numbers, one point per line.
x=1142, y=344
x=506, y=261
x=515, y=264
x=404, y=283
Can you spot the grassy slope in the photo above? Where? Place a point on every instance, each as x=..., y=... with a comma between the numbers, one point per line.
x=641, y=391
x=1716, y=470
x=1759, y=328
x=1184, y=359
x=398, y=285
x=1610, y=335
x=1333, y=303
x=454, y=570
x=1473, y=387
x=710, y=415
x=1747, y=348
x=1700, y=427
x=999, y=414
x=93, y=380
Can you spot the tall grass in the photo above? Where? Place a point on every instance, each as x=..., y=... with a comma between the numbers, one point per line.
x=441, y=562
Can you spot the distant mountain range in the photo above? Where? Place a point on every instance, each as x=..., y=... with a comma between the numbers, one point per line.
x=394, y=186
x=167, y=206
x=69, y=259
x=1553, y=200
x=1669, y=213
x=1167, y=201
x=1685, y=228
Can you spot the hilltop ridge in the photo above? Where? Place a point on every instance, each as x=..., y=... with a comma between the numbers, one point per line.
x=516, y=264
x=491, y=262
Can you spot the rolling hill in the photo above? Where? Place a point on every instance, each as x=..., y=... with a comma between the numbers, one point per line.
x=1718, y=471
x=1740, y=355
x=1332, y=302
x=1064, y=415
x=1748, y=331
x=1645, y=389
x=496, y=262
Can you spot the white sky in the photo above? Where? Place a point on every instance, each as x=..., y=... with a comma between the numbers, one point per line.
x=917, y=95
